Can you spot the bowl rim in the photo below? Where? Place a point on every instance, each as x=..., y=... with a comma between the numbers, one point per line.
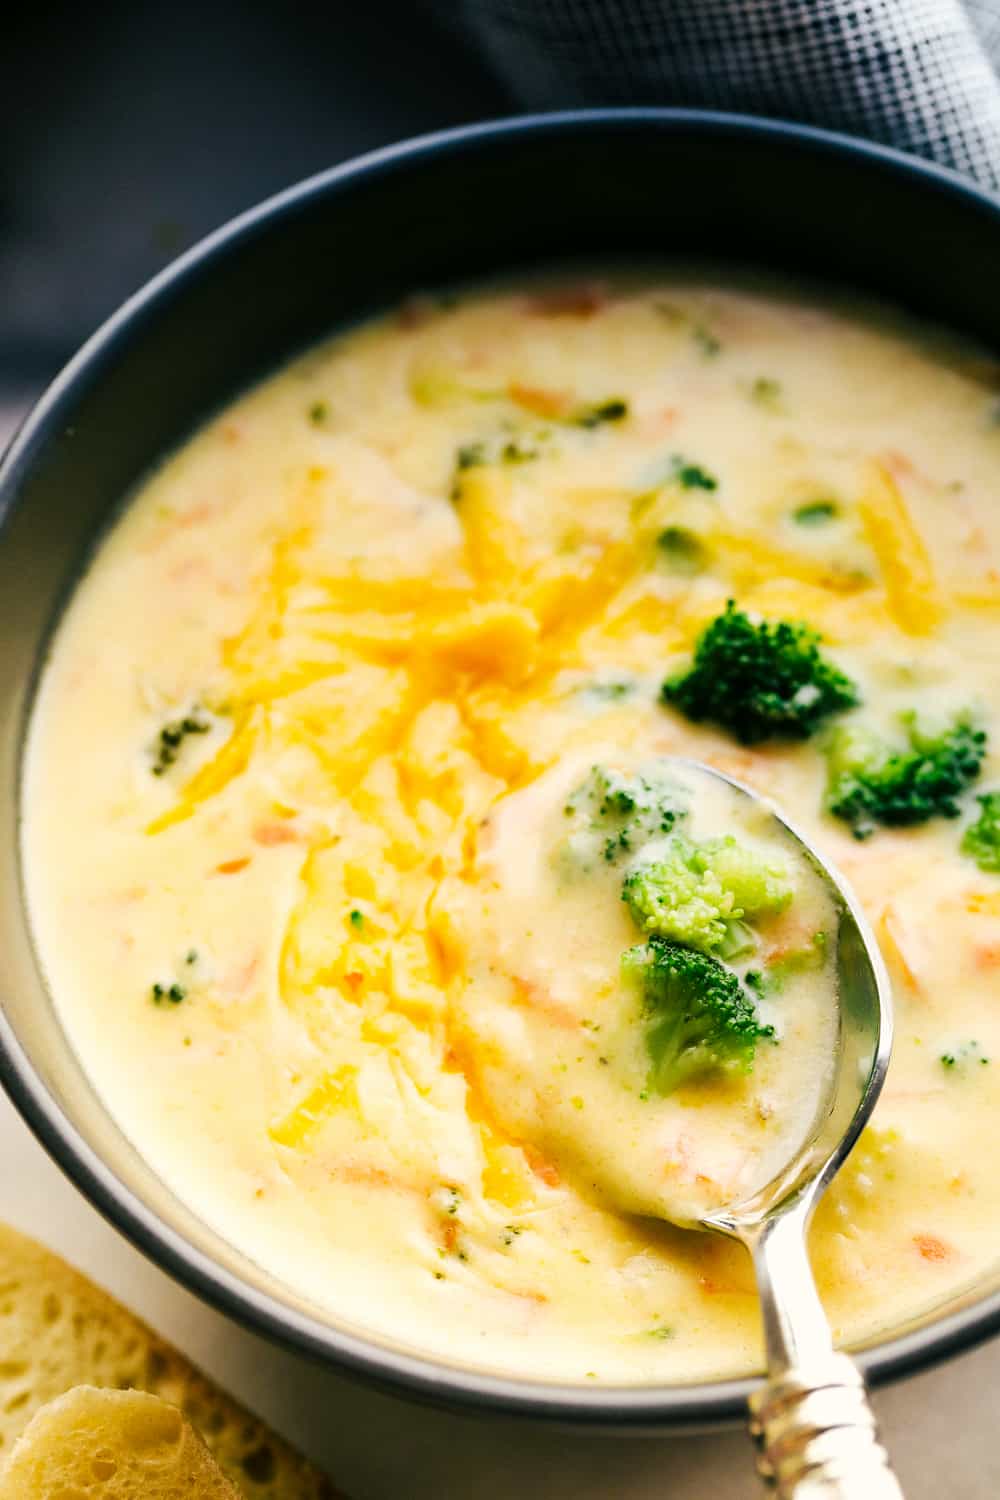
x=653, y=1408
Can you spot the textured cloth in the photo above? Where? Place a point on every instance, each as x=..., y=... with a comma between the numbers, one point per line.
x=918, y=74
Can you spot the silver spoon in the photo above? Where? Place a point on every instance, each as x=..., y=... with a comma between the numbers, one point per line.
x=811, y=1422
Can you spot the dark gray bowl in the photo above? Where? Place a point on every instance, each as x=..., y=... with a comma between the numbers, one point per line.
x=478, y=200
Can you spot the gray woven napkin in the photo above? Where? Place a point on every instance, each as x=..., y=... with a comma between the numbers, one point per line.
x=918, y=74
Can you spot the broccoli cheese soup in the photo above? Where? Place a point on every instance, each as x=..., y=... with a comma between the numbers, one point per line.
x=370, y=883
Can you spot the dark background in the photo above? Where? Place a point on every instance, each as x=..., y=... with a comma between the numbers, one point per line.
x=129, y=131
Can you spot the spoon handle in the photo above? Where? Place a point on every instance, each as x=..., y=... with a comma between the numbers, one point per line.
x=817, y=1438
x=811, y=1421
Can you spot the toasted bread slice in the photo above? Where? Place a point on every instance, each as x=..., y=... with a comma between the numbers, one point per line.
x=111, y=1445
x=58, y=1330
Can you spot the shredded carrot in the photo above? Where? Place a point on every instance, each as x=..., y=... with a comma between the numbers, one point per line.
x=543, y=1169
x=554, y=404
x=898, y=944
x=238, y=979
x=270, y=834
x=232, y=866
x=901, y=467
x=449, y=1234
x=365, y=1173
x=533, y=997
x=931, y=1248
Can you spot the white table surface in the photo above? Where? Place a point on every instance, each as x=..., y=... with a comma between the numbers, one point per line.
x=943, y=1427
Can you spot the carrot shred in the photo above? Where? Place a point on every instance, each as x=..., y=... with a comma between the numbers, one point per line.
x=543, y=1169
x=543, y=403
x=931, y=1248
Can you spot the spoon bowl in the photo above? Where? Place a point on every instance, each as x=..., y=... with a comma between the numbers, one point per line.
x=864, y=1044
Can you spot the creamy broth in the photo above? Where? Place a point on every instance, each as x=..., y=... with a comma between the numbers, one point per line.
x=302, y=731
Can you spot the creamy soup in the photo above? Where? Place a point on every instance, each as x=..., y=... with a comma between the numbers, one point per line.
x=592, y=1063
x=353, y=938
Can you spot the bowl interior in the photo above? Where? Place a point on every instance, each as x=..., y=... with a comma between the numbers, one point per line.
x=473, y=202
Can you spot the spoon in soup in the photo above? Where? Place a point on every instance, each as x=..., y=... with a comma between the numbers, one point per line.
x=653, y=1092
x=811, y=1421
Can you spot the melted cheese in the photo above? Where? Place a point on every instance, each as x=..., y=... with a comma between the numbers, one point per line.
x=397, y=584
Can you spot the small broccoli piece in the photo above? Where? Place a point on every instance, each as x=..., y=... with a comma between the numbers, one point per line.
x=759, y=888
x=614, y=814
x=171, y=739
x=175, y=993
x=691, y=476
x=600, y=692
x=815, y=512
x=684, y=550
x=699, y=1019
x=698, y=894
x=706, y=341
x=760, y=681
x=471, y=456
x=505, y=448
x=981, y=840
x=964, y=1057
x=871, y=782
x=766, y=392
x=613, y=410
x=518, y=451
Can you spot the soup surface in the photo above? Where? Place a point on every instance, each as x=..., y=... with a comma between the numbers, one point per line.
x=306, y=794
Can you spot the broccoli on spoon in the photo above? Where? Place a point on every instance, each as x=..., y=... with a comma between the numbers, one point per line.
x=630, y=1001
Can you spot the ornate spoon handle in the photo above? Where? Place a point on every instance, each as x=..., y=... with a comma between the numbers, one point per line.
x=811, y=1421
x=817, y=1438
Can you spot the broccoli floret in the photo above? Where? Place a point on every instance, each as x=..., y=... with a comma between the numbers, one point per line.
x=670, y=898
x=699, y=1019
x=871, y=782
x=760, y=681
x=981, y=840
x=815, y=512
x=698, y=893
x=615, y=814
x=759, y=888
